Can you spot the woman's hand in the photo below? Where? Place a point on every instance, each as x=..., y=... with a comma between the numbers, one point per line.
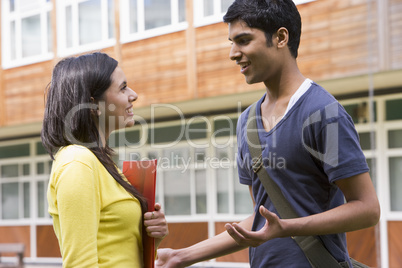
x=156, y=224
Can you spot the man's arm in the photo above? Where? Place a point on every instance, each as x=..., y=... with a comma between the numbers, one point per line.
x=361, y=210
x=211, y=248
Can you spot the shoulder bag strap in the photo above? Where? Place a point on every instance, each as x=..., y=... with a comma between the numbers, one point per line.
x=316, y=253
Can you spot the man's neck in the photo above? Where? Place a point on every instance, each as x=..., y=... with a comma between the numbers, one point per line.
x=285, y=83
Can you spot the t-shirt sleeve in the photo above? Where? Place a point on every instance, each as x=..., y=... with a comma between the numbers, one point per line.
x=351, y=158
x=78, y=202
x=337, y=146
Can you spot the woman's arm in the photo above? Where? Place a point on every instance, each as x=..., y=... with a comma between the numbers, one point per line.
x=78, y=202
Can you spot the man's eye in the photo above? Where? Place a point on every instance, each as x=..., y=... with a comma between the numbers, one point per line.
x=244, y=41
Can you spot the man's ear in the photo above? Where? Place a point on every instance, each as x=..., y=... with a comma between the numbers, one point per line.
x=283, y=37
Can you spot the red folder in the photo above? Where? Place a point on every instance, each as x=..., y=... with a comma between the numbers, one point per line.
x=142, y=175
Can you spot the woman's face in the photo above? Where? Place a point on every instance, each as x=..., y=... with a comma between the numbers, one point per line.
x=117, y=110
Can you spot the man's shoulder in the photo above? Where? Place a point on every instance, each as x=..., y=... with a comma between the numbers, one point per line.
x=319, y=96
x=317, y=99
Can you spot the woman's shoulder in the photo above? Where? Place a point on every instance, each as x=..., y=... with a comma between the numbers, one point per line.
x=75, y=153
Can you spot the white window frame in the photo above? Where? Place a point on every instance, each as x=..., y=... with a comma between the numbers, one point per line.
x=126, y=36
x=76, y=48
x=382, y=154
x=200, y=20
x=211, y=214
x=33, y=178
x=17, y=15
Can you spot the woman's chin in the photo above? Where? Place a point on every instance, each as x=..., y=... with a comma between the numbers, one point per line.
x=130, y=123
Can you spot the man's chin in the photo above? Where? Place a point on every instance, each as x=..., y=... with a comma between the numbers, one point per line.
x=250, y=81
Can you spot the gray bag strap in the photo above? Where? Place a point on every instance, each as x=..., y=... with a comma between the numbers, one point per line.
x=316, y=253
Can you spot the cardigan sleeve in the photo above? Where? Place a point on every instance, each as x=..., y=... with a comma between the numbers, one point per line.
x=79, y=206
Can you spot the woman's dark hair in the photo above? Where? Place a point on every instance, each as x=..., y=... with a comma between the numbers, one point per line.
x=268, y=16
x=78, y=82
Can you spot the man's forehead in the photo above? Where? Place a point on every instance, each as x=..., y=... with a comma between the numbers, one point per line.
x=239, y=29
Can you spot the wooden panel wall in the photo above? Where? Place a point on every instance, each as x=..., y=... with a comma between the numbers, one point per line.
x=395, y=243
x=156, y=68
x=335, y=40
x=240, y=256
x=185, y=234
x=23, y=91
x=395, y=28
x=47, y=244
x=362, y=246
x=16, y=234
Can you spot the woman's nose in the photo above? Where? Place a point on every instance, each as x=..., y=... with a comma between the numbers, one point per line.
x=133, y=95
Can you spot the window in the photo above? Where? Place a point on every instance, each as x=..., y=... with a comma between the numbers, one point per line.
x=24, y=177
x=26, y=32
x=84, y=25
x=212, y=11
x=393, y=111
x=395, y=159
x=197, y=172
x=381, y=141
x=395, y=170
x=146, y=18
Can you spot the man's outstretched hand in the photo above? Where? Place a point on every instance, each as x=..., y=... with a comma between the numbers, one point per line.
x=271, y=229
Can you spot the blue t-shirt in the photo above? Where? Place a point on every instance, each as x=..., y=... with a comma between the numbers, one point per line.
x=314, y=145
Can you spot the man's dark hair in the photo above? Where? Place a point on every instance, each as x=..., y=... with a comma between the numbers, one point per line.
x=268, y=16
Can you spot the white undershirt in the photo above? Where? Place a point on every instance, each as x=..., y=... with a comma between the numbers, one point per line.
x=297, y=95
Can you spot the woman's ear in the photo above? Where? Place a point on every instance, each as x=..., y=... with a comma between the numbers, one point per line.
x=94, y=112
x=283, y=37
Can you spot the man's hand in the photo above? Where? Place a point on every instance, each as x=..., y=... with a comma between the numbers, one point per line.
x=272, y=229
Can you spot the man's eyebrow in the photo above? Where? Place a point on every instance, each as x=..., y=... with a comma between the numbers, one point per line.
x=239, y=36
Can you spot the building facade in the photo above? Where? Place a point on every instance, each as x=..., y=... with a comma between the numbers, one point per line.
x=175, y=56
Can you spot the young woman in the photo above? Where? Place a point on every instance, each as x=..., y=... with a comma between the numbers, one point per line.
x=97, y=215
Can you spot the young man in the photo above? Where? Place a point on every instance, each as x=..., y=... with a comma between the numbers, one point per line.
x=303, y=125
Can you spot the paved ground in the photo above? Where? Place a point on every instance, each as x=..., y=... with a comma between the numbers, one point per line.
x=199, y=265
x=42, y=266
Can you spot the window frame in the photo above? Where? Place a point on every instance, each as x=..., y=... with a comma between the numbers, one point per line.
x=126, y=36
x=381, y=153
x=18, y=15
x=76, y=48
x=33, y=179
x=229, y=143
x=200, y=20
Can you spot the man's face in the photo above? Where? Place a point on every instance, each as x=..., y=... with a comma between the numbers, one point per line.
x=258, y=61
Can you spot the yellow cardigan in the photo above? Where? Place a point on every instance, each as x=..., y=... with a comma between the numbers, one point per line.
x=97, y=222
